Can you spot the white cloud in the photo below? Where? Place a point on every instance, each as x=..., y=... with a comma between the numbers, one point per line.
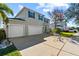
x=50, y=6
x=40, y=5
x=20, y=6
x=46, y=10
x=45, y=7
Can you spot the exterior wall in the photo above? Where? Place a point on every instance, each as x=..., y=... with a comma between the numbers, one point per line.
x=22, y=24
x=26, y=29
x=51, y=26
x=38, y=25
x=34, y=29
x=46, y=27
x=32, y=21
x=22, y=14
x=15, y=21
x=35, y=22
x=16, y=30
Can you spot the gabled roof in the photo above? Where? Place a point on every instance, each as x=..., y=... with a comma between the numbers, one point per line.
x=31, y=10
x=19, y=12
x=27, y=8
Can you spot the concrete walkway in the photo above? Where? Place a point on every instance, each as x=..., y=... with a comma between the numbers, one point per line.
x=45, y=45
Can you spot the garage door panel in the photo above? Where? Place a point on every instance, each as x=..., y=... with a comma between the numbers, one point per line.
x=16, y=30
x=33, y=30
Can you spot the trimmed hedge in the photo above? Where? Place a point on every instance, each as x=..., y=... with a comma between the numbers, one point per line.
x=2, y=34
x=67, y=34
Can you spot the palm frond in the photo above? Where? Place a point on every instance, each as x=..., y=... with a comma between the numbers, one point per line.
x=4, y=17
x=5, y=8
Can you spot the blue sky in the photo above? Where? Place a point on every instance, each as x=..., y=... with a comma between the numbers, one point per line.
x=42, y=8
x=16, y=7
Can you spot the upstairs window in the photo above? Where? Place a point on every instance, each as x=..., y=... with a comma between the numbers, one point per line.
x=46, y=20
x=31, y=14
x=40, y=17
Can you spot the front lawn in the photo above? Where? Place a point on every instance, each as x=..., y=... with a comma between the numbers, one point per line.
x=67, y=34
x=10, y=51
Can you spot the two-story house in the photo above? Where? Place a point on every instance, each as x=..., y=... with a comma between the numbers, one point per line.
x=27, y=22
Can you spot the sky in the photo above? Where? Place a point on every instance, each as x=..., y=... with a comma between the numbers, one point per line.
x=42, y=8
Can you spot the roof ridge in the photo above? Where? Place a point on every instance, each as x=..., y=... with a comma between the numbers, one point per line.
x=30, y=9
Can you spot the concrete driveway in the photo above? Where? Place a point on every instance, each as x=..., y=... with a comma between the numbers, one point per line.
x=45, y=45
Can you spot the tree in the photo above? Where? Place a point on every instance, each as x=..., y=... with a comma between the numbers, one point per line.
x=65, y=23
x=56, y=15
x=4, y=11
x=73, y=12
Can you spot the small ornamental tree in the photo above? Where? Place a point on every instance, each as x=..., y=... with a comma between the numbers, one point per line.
x=56, y=15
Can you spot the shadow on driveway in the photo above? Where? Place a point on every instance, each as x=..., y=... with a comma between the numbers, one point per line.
x=28, y=41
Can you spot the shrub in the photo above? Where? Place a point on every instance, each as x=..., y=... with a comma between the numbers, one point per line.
x=2, y=34
x=56, y=30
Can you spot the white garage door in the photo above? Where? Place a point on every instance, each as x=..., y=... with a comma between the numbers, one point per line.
x=33, y=30
x=16, y=30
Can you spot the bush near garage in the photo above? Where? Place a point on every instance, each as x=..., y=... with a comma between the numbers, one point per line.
x=56, y=30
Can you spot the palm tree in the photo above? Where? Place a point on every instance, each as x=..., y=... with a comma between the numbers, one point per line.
x=4, y=11
x=73, y=12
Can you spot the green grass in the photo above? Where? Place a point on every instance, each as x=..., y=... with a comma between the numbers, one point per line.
x=10, y=51
x=67, y=34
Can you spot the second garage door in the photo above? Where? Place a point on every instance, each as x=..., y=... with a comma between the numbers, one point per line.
x=33, y=30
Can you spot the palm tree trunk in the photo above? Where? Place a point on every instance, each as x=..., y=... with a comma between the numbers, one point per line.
x=7, y=33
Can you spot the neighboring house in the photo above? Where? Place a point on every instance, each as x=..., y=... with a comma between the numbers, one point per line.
x=27, y=22
x=59, y=24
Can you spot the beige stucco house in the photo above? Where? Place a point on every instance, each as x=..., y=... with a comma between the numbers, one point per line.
x=27, y=22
